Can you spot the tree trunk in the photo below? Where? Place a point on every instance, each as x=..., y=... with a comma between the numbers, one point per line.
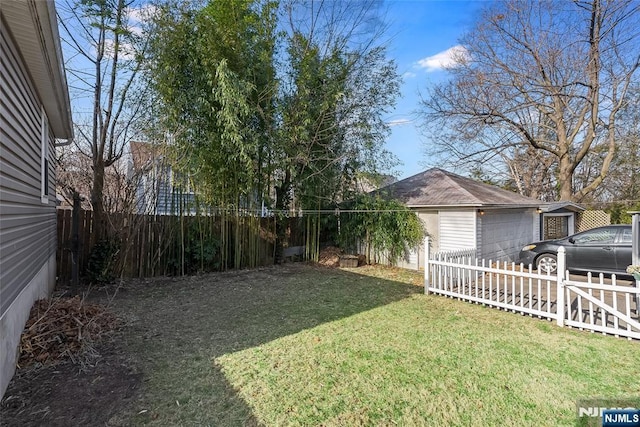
x=282, y=221
x=97, y=189
x=75, y=244
x=565, y=178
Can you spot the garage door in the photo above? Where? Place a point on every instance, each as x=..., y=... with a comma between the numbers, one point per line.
x=504, y=233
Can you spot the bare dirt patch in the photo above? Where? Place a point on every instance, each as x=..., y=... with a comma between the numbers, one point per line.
x=67, y=394
x=159, y=369
x=72, y=370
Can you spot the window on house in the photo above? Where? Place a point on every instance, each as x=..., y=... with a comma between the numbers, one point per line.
x=44, y=158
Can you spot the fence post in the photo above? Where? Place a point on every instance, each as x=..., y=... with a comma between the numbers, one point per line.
x=635, y=251
x=75, y=244
x=560, y=285
x=426, y=264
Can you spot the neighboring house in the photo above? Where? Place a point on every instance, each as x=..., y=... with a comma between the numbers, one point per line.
x=159, y=190
x=34, y=112
x=559, y=220
x=460, y=213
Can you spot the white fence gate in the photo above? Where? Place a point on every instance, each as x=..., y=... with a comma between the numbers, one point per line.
x=592, y=305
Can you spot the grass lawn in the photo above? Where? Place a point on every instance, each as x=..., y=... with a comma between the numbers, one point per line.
x=301, y=345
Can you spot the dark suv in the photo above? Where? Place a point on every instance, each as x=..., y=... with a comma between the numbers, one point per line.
x=603, y=249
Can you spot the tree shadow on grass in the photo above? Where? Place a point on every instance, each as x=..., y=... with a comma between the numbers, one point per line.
x=178, y=326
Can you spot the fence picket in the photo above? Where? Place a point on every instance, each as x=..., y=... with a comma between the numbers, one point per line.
x=513, y=287
x=566, y=302
x=505, y=282
x=589, y=281
x=579, y=312
x=628, y=306
x=490, y=285
x=530, y=288
x=616, y=321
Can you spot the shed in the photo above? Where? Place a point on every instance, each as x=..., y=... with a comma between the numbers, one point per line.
x=461, y=213
x=559, y=219
x=34, y=113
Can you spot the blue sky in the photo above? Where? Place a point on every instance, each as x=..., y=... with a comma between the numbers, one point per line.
x=421, y=34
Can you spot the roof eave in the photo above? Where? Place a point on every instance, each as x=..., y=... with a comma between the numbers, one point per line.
x=570, y=206
x=35, y=30
x=478, y=206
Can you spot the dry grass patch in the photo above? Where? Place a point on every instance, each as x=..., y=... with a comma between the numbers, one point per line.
x=305, y=345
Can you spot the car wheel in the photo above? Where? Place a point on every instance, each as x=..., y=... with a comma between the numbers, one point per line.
x=547, y=263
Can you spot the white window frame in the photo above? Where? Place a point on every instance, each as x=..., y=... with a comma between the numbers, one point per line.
x=44, y=158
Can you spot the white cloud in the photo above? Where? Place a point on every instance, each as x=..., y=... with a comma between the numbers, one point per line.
x=408, y=75
x=126, y=51
x=142, y=13
x=138, y=15
x=399, y=122
x=135, y=30
x=447, y=59
x=134, y=18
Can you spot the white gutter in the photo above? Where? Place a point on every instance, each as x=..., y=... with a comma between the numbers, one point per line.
x=64, y=143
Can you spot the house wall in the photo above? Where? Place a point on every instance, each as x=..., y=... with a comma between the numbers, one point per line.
x=537, y=227
x=27, y=221
x=156, y=195
x=430, y=221
x=502, y=233
x=498, y=234
x=414, y=258
x=448, y=230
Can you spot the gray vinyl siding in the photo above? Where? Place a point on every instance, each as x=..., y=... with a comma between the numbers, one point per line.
x=166, y=199
x=27, y=226
x=156, y=195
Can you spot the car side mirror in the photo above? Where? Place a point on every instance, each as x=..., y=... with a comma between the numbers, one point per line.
x=572, y=240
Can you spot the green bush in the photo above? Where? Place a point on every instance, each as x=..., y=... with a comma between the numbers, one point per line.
x=201, y=251
x=101, y=262
x=619, y=212
x=386, y=226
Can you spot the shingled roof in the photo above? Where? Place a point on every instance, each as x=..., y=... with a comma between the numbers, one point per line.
x=143, y=153
x=439, y=188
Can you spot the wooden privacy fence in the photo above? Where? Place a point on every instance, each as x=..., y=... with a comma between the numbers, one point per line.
x=592, y=304
x=147, y=246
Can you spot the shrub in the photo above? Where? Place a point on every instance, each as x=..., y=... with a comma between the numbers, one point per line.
x=385, y=226
x=101, y=262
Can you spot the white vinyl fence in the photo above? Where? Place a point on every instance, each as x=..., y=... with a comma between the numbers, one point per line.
x=592, y=305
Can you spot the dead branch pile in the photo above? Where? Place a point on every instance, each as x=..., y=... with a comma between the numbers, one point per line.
x=330, y=256
x=61, y=328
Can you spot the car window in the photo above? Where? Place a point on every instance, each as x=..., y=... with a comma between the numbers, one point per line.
x=626, y=236
x=602, y=236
